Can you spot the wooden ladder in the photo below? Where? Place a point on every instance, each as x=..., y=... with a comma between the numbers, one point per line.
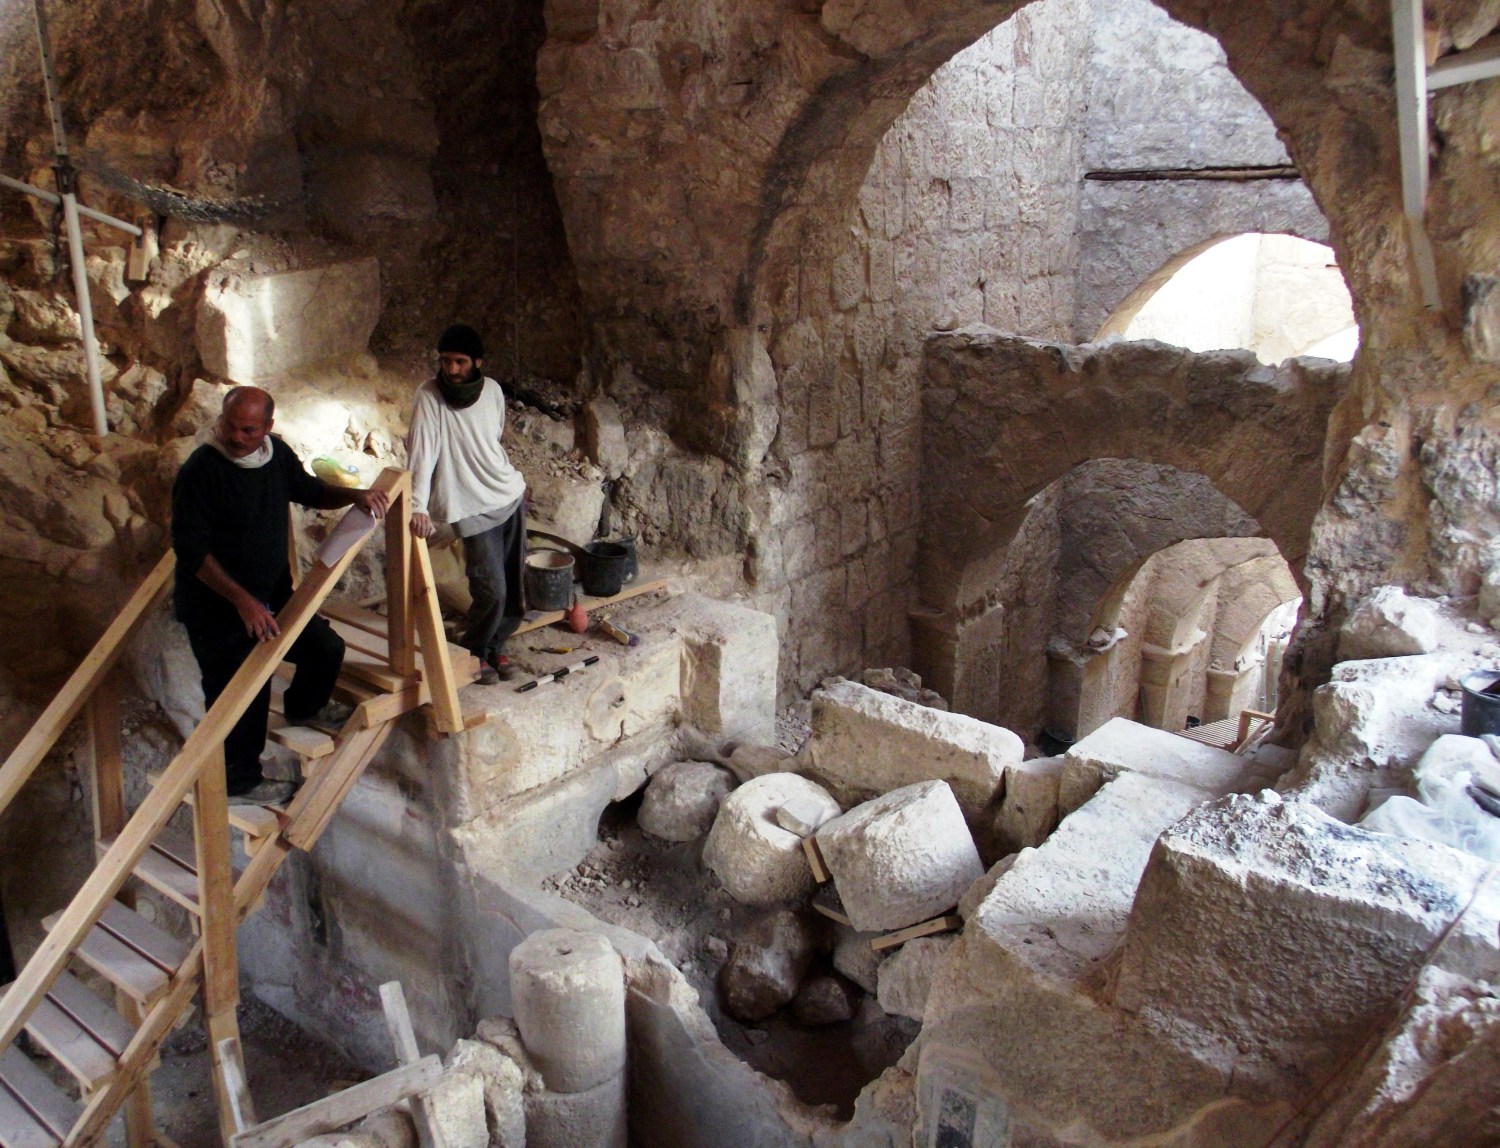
x=109, y=1047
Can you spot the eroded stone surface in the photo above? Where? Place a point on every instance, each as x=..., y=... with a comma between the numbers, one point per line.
x=906, y=978
x=1389, y=624
x=682, y=800
x=1123, y=746
x=766, y=965
x=757, y=861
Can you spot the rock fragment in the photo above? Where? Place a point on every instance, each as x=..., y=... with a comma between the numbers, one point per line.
x=766, y=965
x=682, y=800
x=1388, y=624
x=824, y=998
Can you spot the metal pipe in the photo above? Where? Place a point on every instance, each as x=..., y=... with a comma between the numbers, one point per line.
x=85, y=311
x=56, y=200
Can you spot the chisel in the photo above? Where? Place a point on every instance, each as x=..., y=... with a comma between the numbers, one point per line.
x=562, y=673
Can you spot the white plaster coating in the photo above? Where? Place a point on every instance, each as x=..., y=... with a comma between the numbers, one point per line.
x=1389, y=624
x=1123, y=746
x=682, y=800
x=902, y=858
x=757, y=861
x=866, y=742
x=569, y=993
x=906, y=978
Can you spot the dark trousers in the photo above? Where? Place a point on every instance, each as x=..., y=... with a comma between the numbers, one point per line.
x=318, y=654
x=493, y=562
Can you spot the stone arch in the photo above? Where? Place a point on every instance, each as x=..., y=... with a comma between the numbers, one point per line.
x=1008, y=417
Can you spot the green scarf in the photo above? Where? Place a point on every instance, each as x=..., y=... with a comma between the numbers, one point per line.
x=464, y=394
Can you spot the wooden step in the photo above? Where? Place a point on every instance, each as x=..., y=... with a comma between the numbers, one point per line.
x=304, y=741
x=130, y=952
x=34, y=1112
x=79, y=1031
x=170, y=866
x=251, y=820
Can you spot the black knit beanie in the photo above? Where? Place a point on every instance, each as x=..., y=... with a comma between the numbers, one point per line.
x=462, y=340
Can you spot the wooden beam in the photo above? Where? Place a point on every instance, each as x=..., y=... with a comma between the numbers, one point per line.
x=307, y=819
x=232, y=1064
x=944, y=924
x=404, y=1042
x=47, y=728
x=536, y=622
x=221, y=978
x=107, y=782
x=154, y=812
x=439, y=670
x=398, y=551
x=342, y=1108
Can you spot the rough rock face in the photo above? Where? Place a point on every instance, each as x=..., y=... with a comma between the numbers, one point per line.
x=1388, y=624
x=682, y=800
x=757, y=861
x=766, y=964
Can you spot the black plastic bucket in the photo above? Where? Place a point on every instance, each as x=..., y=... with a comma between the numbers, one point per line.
x=604, y=568
x=549, y=580
x=631, y=568
x=1481, y=711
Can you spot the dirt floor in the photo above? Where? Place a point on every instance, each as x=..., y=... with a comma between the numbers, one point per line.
x=661, y=890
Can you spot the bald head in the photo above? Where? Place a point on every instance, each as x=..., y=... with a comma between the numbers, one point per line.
x=245, y=421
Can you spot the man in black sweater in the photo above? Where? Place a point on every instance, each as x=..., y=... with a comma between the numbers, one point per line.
x=230, y=507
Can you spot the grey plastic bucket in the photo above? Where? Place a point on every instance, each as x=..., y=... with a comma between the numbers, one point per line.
x=549, y=580
x=1481, y=711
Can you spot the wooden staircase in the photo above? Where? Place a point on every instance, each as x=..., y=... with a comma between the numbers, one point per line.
x=177, y=842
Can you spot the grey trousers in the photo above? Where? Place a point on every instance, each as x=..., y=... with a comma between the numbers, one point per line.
x=493, y=561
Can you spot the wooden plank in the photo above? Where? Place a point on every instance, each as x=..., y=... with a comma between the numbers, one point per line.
x=537, y=621
x=155, y=944
x=231, y=1063
x=251, y=820
x=224, y=1034
x=382, y=708
x=19, y=1127
x=98, y=1017
x=140, y=1127
x=1480, y=62
x=434, y=642
x=307, y=824
x=95, y=666
x=121, y=965
x=70, y=1044
x=398, y=590
x=106, y=781
x=27, y=1083
x=304, y=741
x=944, y=924
x=162, y=802
x=221, y=978
x=815, y=861
x=163, y=873
x=342, y=1108
x=404, y=1043
x=355, y=615
x=362, y=667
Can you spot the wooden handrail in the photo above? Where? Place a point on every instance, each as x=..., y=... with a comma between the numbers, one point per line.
x=161, y=803
x=48, y=727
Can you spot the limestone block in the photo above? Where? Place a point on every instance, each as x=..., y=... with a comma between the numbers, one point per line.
x=252, y=327
x=1246, y=877
x=564, y=503
x=457, y=1101
x=757, y=861
x=749, y=761
x=682, y=800
x=906, y=977
x=503, y=1082
x=592, y=1119
x=728, y=675
x=865, y=743
x=604, y=436
x=568, y=988
x=766, y=965
x=853, y=956
x=824, y=998
x=1389, y=624
x=802, y=816
x=1123, y=746
x=1028, y=811
x=901, y=858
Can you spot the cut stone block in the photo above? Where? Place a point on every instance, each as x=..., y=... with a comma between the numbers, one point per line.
x=252, y=327
x=1028, y=811
x=757, y=861
x=906, y=977
x=853, y=956
x=749, y=761
x=766, y=965
x=682, y=800
x=865, y=743
x=803, y=815
x=901, y=858
x=1123, y=746
x=568, y=988
x=592, y=1119
x=457, y=1105
x=1279, y=938
x=1389, y=624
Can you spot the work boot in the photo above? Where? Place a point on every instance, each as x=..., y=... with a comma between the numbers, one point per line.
x=504, y=671
x=330, y=718
x=268, y=792
x=488, y=675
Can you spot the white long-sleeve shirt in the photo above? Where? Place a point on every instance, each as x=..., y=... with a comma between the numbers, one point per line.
x=458, y=467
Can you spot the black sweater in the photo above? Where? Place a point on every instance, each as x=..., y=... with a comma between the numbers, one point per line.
x=239, y=516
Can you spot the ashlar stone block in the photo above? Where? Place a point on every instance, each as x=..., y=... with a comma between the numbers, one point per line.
x=866, y=743
x=902, y=858
x=253, y=327
x=1123, y=746
x=756, y=860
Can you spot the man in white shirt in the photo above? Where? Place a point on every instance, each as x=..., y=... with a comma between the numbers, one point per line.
x=461, y=475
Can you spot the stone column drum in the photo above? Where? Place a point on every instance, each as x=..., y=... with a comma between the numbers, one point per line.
x=568, y=988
